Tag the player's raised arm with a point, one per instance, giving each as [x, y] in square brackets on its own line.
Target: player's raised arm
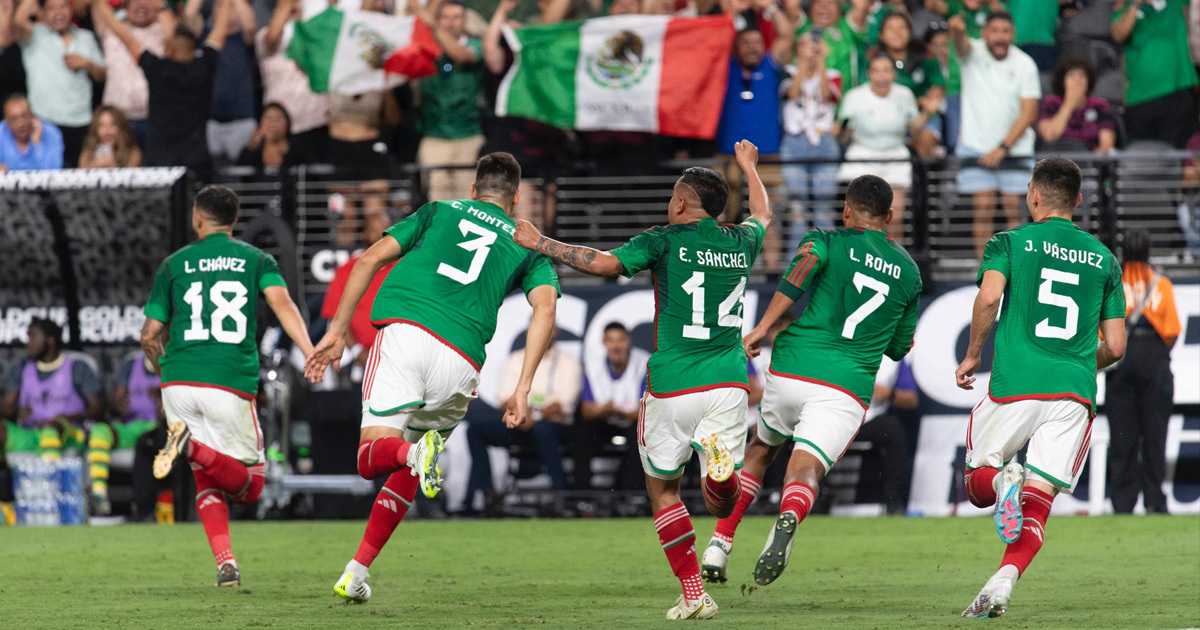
[289, 317]
[983, 317]
[329, 350]
[544, 300]
[760, 205]
[577, 257]
[1112, 347]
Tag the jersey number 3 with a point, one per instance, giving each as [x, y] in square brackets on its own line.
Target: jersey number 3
[480, 246]
[226, 308]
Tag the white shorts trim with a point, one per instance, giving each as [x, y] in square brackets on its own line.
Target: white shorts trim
[1058, 433]
[217, 418]
[670, 428]
[821, 420]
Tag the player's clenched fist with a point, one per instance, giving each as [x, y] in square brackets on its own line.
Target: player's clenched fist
[752, 343]
[526, 235]
[746, 153]
[328, 352]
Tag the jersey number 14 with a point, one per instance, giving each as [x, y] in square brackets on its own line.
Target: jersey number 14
[726, 317]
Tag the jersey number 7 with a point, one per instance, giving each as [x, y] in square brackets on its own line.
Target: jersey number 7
[870, 306]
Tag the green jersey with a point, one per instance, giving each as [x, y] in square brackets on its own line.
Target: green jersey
[207, 292]
[700, 274]
[458, 264]
[1157, 59]
[847, 50]
[1062, 283]
[863, 305]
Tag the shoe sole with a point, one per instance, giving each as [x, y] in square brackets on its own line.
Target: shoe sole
[431, 473]
[986, 608]
[164, 461]
[774, 559]
[339, 589]
[1009, 518]
[713, 573]
[718, 462]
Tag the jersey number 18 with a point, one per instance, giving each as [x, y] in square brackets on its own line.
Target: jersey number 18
[226, 308]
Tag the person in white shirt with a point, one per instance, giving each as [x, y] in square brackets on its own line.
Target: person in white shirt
[613, 383]
[879, 115]
[1000, 93]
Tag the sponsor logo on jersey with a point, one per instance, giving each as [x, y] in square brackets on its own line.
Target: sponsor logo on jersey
[220, 263]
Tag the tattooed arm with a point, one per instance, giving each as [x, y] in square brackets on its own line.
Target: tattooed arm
[153, 342]
[579, 258]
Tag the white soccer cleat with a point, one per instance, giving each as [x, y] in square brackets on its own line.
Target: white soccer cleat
[992, 601]
[718, 461]
[423, 460]
[353, 587]
[715, 563]
[705, 608]
[1008, 502]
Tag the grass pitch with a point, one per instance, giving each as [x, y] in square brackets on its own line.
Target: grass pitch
[1111, 572]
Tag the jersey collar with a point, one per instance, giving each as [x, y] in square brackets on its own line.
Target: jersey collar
[1056, 220]
[217, 235]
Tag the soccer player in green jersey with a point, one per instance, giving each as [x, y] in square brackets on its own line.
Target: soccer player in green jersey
[1059, 286]
[863, 305]
[436, 310]
[204, 308]
[696, 385]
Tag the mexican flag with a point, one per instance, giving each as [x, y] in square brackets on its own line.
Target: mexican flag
[354, 52]
[655, 74]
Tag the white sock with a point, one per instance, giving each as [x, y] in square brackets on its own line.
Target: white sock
[1009, 571]
[359, 570]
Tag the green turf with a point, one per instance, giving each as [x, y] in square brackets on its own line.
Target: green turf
[1113, 572]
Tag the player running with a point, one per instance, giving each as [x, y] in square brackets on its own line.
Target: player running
[863, 305]
[436, 310]
[1058, 284]
[207, 294]
[696, 384]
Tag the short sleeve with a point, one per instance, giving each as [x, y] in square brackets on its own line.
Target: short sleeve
[641, 252]
[121, 378]
[1031, 81]
[1048, 108]
[90, 47]
[996, 257]
[408, 231]
[541, 273]
[586, 395]
[150, 64]
[268, 273]
[933, 74]
[476, 46]
[158, 305]
[754, 233]
[85, 380]
[909, 104]
[806, 265]
[1114, 293]
[847, 110]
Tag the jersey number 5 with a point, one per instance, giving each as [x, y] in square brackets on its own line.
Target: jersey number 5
[870, 306]
[481, 246]
[226, 308]
[1047, 296]
[695, 288]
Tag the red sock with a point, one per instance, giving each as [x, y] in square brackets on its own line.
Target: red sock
[722, 494]
[798, 498]
[226, 473]
[678, 541]
[250, 493]
[214, 514]
[382, 456]
[1035, 509]
[727, 526]
[390, 507]
[980, 491]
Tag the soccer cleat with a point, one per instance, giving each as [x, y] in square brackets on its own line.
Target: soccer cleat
[423, 459]
[992, 601]
[353, 588]
[714, 565]
[101, 506]
[705, 608]
[178, 435]
[1008, 502]
[229, 575]
[719, 463]
[778, 551]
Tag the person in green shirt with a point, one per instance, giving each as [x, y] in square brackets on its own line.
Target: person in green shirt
[450, 105]
[846, 36]
[914, 72]
[940, 60]
[1158, 97]
[1036, 22]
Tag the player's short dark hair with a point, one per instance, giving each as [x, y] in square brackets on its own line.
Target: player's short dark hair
[219, 203]
[1058, 179]
[47, 327]
[450, 3]
[1135, 247]
[710, 186]
[746, 31]
[871, 195]
[12, 98]
[497, 174]
[1000, 15]
[616, 326]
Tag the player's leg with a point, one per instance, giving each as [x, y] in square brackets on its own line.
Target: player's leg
[993, 477]
[213, 510]
[759, 455]
[721, 439]
[101, 440]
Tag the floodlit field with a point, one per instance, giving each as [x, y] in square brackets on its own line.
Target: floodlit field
[1112, 572]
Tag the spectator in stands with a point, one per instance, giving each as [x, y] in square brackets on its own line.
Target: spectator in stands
[28, 143]
[285, 83]
[110, 142]
[12, 70]
[1159, 104]
[181, 83]
[1194, 32]
[1141, 388]
[552, 400]
[811, 97]
[1001, 89]
[942, 60]
[895, 389]
[61, 61]
[231, 121]
[126, 88]
[1071, 119]
[926, 82]
[136, 413]
[270, 144]
[613, 383]
[450, 105]
[136, 402]
[877, 116]
[846, 36]
[1036, 22]
[974, 13]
